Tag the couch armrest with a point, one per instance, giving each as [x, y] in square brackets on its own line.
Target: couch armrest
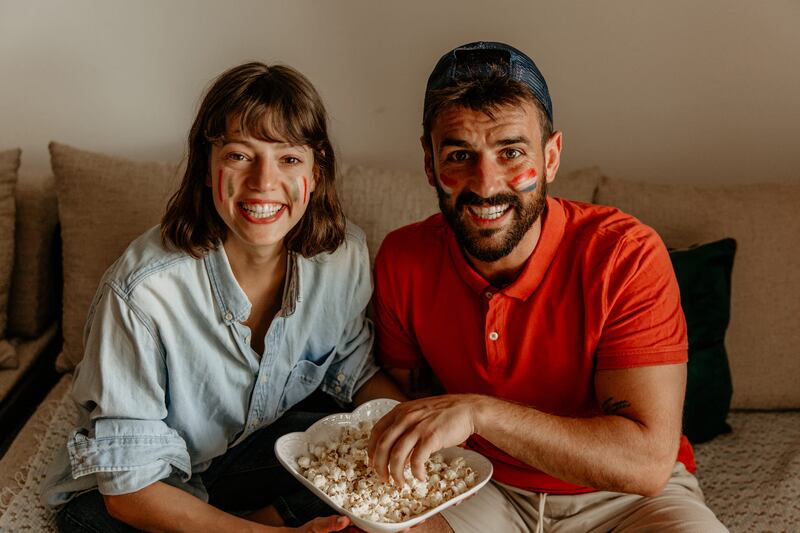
[35, 297]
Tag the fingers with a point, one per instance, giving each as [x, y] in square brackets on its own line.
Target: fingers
[383, 443]
[422, 451]
[326, 524]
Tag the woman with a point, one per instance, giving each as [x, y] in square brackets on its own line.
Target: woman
[248, 297]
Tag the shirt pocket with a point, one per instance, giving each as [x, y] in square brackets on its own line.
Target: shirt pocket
[304, 379]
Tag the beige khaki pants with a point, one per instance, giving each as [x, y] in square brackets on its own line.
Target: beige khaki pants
[502, 508]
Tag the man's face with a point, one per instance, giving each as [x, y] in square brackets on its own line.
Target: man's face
[491, 175]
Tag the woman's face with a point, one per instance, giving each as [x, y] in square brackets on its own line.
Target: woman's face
[261, 189]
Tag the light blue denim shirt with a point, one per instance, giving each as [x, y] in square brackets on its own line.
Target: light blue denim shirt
[169, 380]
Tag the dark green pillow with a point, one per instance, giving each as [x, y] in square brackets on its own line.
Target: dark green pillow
[704, 277]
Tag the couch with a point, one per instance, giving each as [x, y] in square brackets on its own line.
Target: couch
[95, 204]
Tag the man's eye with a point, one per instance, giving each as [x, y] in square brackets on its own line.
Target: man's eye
[458, 155]
[513, 153]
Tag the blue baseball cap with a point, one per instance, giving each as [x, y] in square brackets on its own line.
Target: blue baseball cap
[483, 59]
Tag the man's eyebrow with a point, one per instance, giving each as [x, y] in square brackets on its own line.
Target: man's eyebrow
[450, 141]
[513, 140]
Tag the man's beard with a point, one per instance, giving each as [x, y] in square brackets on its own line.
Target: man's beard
[470, 239]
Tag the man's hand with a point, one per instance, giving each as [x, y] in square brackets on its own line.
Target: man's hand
[413, 430]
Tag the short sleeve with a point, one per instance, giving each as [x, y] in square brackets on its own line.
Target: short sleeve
[353, 363]
[396, 346]
[120, 387]
[644, 322]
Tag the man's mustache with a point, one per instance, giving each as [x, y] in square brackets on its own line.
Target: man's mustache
[470, 198]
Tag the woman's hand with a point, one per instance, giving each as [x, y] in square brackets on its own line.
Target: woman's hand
[324, 524]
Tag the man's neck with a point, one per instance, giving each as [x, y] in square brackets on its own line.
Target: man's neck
[505, 270]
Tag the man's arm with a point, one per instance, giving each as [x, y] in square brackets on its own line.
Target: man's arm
[162, 507]
[630, 448]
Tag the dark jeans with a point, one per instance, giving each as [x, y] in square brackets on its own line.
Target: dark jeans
[246, 478]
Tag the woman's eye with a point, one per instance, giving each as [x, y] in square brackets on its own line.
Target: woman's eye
[291, 160]
[236, 156]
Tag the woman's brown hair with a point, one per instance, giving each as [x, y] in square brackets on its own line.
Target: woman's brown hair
[270, 103]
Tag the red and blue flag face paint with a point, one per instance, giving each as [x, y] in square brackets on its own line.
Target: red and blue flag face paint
[305, 188]
[219, 186]
[446, 183]
[525, 182]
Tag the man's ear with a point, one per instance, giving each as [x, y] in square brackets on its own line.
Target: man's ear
[428, 151]
[552, 155]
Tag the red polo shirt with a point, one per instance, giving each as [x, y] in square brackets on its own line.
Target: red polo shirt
[597, 293]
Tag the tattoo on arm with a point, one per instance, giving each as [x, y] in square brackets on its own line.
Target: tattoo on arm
[610, 407]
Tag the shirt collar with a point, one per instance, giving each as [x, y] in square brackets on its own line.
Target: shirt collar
[231, 299]
[553, 224]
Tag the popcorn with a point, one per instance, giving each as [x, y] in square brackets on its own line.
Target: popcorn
[341, 470]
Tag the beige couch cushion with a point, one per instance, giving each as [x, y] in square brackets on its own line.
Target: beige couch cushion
[380, 200]
[104, 203]
[9, 164]
[36, 284]
[763, 338]
[579, 185]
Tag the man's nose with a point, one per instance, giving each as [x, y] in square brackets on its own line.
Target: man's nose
[489, 178]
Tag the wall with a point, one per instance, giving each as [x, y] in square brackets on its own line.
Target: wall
[680, 91]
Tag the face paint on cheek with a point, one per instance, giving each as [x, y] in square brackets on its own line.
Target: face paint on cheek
[219, 185]
[525, 182]
[295, 190]
[230, 189]
[305, 189]
[446, 183]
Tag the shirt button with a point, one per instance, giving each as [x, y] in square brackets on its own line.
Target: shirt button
[337, 388]
[247, 339]
[488, 295]
[228, 316]
[340, 377]
[493, 336]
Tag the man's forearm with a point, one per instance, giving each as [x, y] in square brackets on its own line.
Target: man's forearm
[164, 508]
[608, 452]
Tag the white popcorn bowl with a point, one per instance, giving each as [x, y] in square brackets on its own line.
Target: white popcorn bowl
[292, 445]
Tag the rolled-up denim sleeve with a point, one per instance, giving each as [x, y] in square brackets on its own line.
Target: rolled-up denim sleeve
[354, 364]
[121, 388]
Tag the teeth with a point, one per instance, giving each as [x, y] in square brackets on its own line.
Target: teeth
[488, 213]
[261, 210]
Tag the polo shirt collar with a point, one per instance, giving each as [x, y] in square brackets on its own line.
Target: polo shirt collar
[553, 224]
[234, 306]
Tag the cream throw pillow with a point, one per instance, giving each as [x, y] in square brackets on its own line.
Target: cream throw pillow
[764, 332]
[104, 203]
[36, 284]
[9, 164]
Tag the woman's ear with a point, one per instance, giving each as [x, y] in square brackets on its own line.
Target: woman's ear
[314, 177]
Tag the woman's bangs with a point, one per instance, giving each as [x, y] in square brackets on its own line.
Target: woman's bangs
[273, 122]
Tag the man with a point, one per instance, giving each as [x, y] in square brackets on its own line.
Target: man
[554, 327]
